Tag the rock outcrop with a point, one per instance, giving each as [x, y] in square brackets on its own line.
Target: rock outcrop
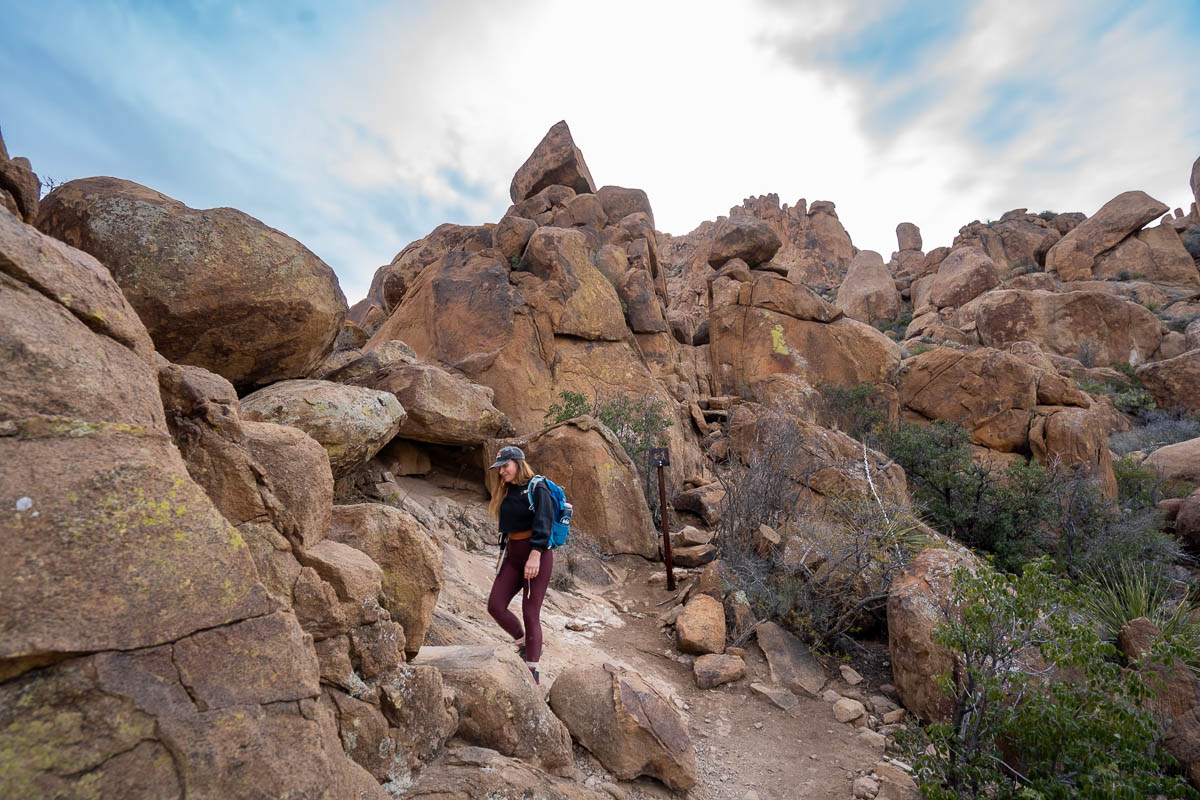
[868, 292]
[627, 725]
[216, 288]
[1074, 256]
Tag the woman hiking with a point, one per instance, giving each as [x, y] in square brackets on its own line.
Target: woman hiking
[526, 558]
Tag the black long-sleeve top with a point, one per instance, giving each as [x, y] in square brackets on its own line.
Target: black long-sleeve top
[515, 514]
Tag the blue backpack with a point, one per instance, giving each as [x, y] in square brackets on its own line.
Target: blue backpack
[562, 510]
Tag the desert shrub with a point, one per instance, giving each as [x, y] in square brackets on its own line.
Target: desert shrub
[1179, 324]
[1191, 241]
[1133, 591]
[1156, 428]
[898, 325]
[1048, 215]
[1001, 514]
[1134, 400]
[856, 411]
[832, 578]
[1019, 730]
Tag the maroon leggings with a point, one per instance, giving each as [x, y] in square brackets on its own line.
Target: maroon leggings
[510, 581]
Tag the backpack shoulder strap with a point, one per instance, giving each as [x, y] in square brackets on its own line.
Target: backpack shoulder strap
[533, 482]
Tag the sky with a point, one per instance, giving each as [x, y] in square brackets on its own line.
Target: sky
[358, 126]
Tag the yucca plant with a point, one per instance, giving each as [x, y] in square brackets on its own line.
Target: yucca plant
[1132, 592]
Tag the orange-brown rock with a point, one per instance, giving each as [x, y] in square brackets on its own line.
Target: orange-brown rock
[439, 406]
[255, 306]
[1196, 181]
[1176, 462]
[62, 315]
[748, 343]
[700, 627]
[1187, 521]
[744, 237]
[816, 248]
[908, 236]
[499, 705]
[1016, 239]
[918, 603]
[410, 559]
[964, 275]
[712, 670]
[1074, 256]
[1099, 326]
[989, 392]
[584, 457]
[465, 772]
[1153, 254]
[868, 292]
[555, 161]
[1073, 437]
[419, 707]
[626, 724]
[791, 663]
[1175, 382]
[582, 302]
[511, 235]
[392, 281]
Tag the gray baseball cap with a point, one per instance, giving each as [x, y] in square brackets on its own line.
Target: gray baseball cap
[506, 454]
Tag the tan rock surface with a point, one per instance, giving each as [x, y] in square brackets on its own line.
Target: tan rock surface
[712, 670]
[964, 275]
[1017, 239]
[1106, 328]
[1175, 382]
[916, 606]
[499, 705]
[600, 481]
[352, 423]
[626, 724]
[258, 307]
[700, 628]
[1074, 256]
[744, 237]
[1153, 254]
[868, 292]
[468, 773]
[1176, 462]
[791, 663]
[410, 560]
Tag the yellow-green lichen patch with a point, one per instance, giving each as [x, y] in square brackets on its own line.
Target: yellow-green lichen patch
[779, 341]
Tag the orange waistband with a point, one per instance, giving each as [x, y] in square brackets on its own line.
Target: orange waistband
[514, 537]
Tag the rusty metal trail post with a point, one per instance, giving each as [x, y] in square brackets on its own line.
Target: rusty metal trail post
[660, 457]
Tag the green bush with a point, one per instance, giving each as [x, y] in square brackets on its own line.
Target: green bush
[1071, 726]
[999, 514]
[855, 411]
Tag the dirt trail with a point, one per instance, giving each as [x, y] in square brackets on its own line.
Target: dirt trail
[746, 747]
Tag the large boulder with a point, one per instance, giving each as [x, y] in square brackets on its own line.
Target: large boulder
[619, 202]
[991, 393]
[965, 274]
[625, 724]
[392, 281]
[868, 292]
[216, 288]
[352, 423]
[1074, 437]
[1155, 254]
[585, 458]
[791, 664]
[1174, 382]
[908, 236]
[1075, 254]
[1017, 239]
[409, 557]
[573, 293]
[815, 247]
[1195, 182]
[747, 238]
[440, 407]
[469, 773]
[1089, 326]
[136, 644]
[499, 705]
[918, 603]
[1176, 462]
[420, 711]
[556, 161]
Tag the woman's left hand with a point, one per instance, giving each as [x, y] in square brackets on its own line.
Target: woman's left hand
[532, 565]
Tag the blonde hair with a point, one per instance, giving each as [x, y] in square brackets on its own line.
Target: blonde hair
[500, 490]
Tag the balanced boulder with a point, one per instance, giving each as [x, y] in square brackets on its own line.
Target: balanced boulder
[1075, 254]
[216, 288]
[555, 161]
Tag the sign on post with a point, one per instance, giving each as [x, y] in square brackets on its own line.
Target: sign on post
[661, 457]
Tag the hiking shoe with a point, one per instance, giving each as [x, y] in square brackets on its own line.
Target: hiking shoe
[536, 677]
[521, 652]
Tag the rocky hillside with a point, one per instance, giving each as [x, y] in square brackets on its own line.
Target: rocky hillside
[245, 549]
